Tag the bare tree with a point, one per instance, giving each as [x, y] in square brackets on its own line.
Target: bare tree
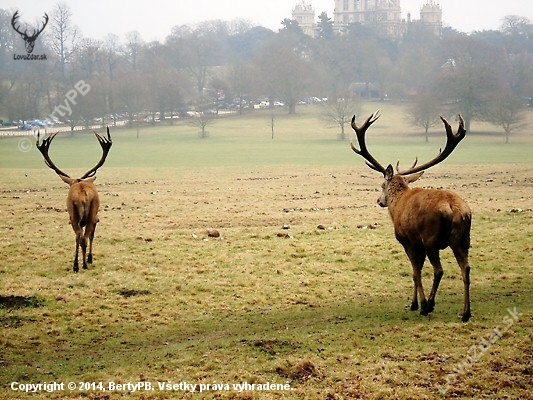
[203, 117]
[424, 112]
[111, 49]
[505, 110]
[286, 71]
[63, 36]
[338, 113]
[167, 87]
[469, 77]
[131, 94]
[133, 48]
[217, 89]
[242, 80]
[8, 36]
[89, 58]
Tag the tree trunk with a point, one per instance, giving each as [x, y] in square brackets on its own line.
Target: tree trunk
[292, 108]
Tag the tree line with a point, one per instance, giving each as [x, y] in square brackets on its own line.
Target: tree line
[216, 65]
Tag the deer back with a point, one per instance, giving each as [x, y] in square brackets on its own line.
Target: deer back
[428, 218]
[83, 202]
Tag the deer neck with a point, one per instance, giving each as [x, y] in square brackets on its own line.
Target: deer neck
[396, 189]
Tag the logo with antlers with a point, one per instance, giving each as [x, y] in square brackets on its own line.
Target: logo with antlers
[29, 40]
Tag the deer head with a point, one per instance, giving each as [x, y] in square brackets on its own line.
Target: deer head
[403, 177]
[29, 40]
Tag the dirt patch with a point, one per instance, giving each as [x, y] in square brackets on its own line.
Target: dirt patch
[272, 347]
[16, 302]
[133, 292]
[298, 371]
[14, 321]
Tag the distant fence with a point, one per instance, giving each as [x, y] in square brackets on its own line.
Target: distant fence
[44, 130]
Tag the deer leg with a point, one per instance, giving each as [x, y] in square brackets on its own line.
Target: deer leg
[462, 259]
[417, 261]
[423, 302]
[434, 259]
[91, 237]
[79, 238]
[414, 303]
[83, 244]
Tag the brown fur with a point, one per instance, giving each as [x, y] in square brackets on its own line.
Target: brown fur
[426, 221]
[82, 206]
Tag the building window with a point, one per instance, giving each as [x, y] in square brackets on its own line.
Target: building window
[346, 5]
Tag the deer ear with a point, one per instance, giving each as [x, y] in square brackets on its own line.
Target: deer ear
[69, 181]
[389, 173]
[413, 177]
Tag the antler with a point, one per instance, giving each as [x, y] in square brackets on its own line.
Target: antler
[105, 144]
[43, 148]
[452, 140]
[363, 151]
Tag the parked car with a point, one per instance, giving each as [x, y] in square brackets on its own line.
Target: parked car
[38, 123]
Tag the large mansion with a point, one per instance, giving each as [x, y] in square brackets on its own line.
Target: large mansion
[385, 15]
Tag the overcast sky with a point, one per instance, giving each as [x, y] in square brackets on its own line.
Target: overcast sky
[154, 19]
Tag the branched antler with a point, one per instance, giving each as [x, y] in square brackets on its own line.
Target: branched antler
[363, 151]
[105, 144]
[452, 140]
[44, 147]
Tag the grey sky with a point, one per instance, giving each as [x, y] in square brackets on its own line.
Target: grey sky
[154, 19]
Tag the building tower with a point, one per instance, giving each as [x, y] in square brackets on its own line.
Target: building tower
[431, 16]
[385, 15]
[304, 14]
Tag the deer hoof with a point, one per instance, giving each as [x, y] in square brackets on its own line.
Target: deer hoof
[414, 306]
[424, 309]
[466, 316]
[430, 306]
[90, 259]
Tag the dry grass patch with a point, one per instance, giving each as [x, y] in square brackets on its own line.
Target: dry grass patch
[323, 309]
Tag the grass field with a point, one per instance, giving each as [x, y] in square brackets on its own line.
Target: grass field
[317, 313]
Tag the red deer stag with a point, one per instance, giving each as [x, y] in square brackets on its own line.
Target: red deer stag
[82, 199]
[425, 220]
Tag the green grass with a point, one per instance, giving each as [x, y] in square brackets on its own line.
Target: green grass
[321, 310]
[301, 139]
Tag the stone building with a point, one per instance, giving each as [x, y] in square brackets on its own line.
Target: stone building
[431, 16]
[304, 14]
[385, 15]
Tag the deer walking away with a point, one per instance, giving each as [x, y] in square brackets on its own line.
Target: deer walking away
[82, 199]
[425, 220]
